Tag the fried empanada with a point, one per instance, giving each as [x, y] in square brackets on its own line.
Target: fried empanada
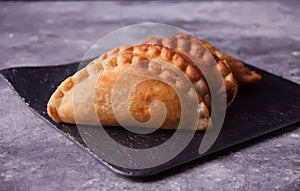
[187, 44]
[96, 97]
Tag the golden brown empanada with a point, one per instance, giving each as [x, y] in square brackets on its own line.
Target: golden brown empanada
[61, 104]
[187, 44]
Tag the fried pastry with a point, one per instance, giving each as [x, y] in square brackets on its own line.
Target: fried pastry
[189, 45]
[61, 104]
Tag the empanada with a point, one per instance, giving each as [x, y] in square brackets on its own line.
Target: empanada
[187, 44]
[93, 91]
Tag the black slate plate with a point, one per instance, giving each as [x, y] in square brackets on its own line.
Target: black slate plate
[259, 108]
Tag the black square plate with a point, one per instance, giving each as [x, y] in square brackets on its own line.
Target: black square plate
[259, 108]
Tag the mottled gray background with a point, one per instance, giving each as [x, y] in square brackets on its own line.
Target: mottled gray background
[34, 156]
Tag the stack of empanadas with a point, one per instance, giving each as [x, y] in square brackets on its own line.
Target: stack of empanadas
[94, 83]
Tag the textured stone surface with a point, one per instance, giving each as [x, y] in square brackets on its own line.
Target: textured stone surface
[34, 156]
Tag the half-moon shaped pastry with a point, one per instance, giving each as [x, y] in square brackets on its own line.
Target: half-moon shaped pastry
[86, 97]
[95, 90]
[189, 45]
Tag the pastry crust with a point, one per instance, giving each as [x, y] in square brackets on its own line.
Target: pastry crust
[61, 106]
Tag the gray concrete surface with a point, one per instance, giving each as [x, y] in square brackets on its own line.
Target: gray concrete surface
[34, 156]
